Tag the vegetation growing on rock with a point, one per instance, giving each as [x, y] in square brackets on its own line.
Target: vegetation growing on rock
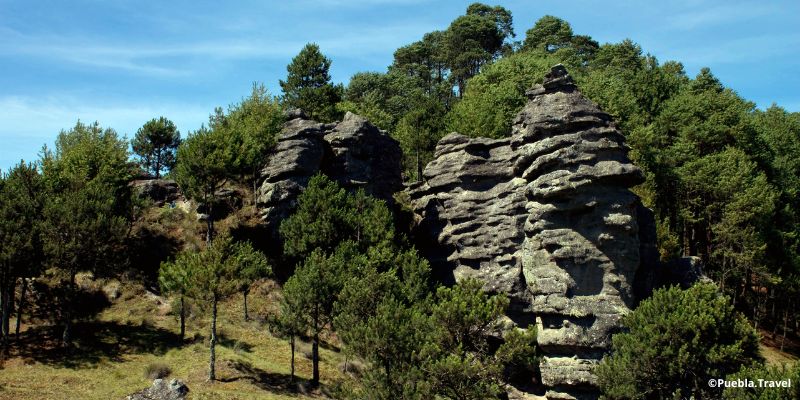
[468, 303]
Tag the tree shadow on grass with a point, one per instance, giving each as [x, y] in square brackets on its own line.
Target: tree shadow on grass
[236, 345]
[94, 342]
[270, 381]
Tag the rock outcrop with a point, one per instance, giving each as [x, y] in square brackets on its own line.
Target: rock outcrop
[547, 217]
[160, 191]
[162, 390]
[352, 152]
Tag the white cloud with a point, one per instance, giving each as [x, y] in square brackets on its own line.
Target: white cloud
[40, 119]
[727, 14]
[161, 59]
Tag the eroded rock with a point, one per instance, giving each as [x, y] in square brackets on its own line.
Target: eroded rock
[352, 152]
[547, 217]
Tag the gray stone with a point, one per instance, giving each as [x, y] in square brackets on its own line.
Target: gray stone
[547, 217]
[160, 191]
[162, 390]
[683, 271]
[352, 152]
[293, 113]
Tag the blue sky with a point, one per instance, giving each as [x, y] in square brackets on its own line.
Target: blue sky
[123, 62]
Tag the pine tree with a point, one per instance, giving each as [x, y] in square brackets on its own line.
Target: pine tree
[21, 198]
[675, 342]
[204, 161]
[86, 215]
[251, 128]
[311, 293]
[156, 143]
[210, 276]
[251, 266]
[173, 277]
[308, 85]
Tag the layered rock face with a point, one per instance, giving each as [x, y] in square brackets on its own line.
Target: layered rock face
[352, 152]
[547, 217]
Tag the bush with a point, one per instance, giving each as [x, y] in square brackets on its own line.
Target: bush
[677, 341]
[774, 373]
[157, 371]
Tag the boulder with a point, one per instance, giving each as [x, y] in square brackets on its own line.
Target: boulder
[547, 217]
[353, 152]
[160, 191]
[162, 390]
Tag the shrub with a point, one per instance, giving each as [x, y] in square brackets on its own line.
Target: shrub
[676, 341]
[157, 371]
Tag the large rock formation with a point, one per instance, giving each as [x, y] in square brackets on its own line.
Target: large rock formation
[352, 152]
[547, 217]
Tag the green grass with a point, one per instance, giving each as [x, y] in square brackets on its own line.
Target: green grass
[773, 356]
[113, 352]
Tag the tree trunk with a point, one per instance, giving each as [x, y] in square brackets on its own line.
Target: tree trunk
[20, 305]
[255, 189]
[183, 319]
[66, 337]
[419, 166]
[9, 284]
[209, 225]
[785, 323]
[6, 299]
[315, 360]
[211, 372]
[244, 294]
[291, 341]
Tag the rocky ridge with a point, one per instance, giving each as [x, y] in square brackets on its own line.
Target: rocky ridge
[547, 217]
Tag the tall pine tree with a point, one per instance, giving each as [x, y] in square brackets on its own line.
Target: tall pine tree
[308, 85]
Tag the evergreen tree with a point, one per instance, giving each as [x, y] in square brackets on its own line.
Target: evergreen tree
[308, 85]
[21, 198]
[675, 342]
[418, 132]
[251, 128]
[173, 277]
[327, 216]
[311, 293]
[497, 94]
[549, 34]
[204, 161]
[782, 372]
[318, 221]
[156, 143]
[210, 276]
[252, 266]
[470, 42]
[86, 215]
[290, 323]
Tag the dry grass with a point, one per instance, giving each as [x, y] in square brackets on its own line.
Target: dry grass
[771, 349]
[135, 333]
[773, 356]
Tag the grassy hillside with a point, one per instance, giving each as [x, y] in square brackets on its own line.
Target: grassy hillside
[137, 332]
